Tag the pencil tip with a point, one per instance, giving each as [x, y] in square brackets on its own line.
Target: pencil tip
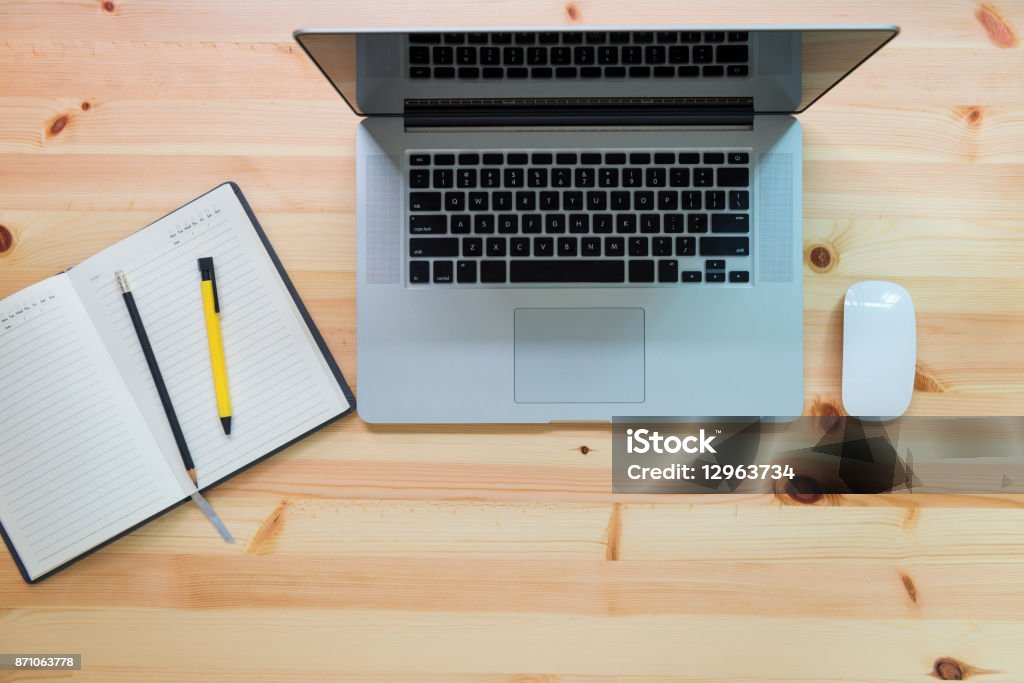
[226, 422]
[193, 477]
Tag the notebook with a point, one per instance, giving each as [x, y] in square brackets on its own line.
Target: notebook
[87, 454]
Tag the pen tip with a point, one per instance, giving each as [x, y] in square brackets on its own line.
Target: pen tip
[226, 422]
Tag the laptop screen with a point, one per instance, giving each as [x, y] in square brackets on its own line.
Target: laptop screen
[766, 71]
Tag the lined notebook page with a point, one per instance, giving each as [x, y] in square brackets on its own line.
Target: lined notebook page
[78, 464]
[281, 385]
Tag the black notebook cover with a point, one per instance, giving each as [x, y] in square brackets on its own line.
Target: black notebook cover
[321, 344]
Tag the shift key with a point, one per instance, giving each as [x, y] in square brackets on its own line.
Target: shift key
[424, 201]
[723, 246]
[436, 246]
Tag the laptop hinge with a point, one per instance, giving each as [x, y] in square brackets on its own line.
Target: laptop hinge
[709, 112]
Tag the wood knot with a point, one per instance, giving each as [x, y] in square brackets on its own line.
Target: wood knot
[971, 115]
[908, 585]
[924, 381]
[998, 28]
[6, 238]
[108, 7]
[827, 410]
[804, 490]
[58, 124]
[821, 258]
[86, 106]
[948, 669]
[584, 449]
[572, 12]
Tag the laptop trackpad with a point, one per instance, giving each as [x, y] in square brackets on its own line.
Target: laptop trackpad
[579, 355]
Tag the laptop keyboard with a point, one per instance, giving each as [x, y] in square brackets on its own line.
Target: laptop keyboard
[550, 217]
[571, 55]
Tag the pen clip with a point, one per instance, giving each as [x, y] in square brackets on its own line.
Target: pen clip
[206, 272]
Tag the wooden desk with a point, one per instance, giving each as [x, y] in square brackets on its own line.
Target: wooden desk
[497, 553]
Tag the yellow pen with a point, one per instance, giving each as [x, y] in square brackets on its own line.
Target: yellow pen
[211, 309]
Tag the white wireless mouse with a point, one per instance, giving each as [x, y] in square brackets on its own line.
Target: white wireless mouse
[879, 349]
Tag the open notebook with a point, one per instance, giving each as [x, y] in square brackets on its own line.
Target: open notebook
[86, 452]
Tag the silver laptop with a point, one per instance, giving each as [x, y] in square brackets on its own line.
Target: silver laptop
[558, 225]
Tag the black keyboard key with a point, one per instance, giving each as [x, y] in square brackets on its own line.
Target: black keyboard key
[618, 37]
[608, 55]
[731, 54]
[730, 222]
[650, 223]
[641, 271]
[625, 223]
[632, 54]
[501, 201]
[664, 158]
[643, 36]
[597, 201]
[443, 55]
[655, 177]
[493, 159]
[455, 38]
[590, 246]
[688, 71]
[724, 246]
[739, 276]
[733, 177]
[517, 72]
[444, 159]
[689, 158]
[514, 177]
[713, 71]
[444, 177]
[479, 201]
[466, 177]
[567, 246]
[655, 54]
[714, 200]
[585, 55]
[715, 277]
[433, 246]
[493, 271]
[419, 159]
[615, 72]
[714, 264]
[572, 201]
[460, 224]
[443, 272]
[602, 223]
[541, 72]
[668, 270]
[679, 54]
[477, 38]
[543, 246]
[584, 177]
[703, 177]
[714, 36]
[501, 38]
[469, 159]
[419, 178]
[572, 37]
[639, 71]
[490, 56]
[541, 158]
[686, 246]
[431, 224]
[674, 222]
[737, 36]
[490, 177]
[425, 38]
[736, 70]
[661, 246]
[614, 246]
[565, 72]
[518, 159]
[697, 222]
[496, 246]
[567, 270]
[608, 177]
[614, 158]
[465, 56]
[579, 223]
[525, 38]
[538, 177]
[739, 200]
[424, 201]
[590, 158]
[561, 56]
[666, 36]
[692, 276]
[465, 272]
[596, 36]
[638, 246]
[419, 54]
[483, 224]
[532, 224]
[561, 177]
[419, 272]
[548, 37]
[550, 201]
[702, 54]
[690, 200]
[664, 72]
[690, 36]
[519, 246]
[493, 72]
[668, 200]
[714, 158]
[526, 201]
[621, 201]
[738, 158]
[472, 247]
[537, 56]
[566, 158]
[508, 224]
[679, 177]
[554, 223]
[454, 201]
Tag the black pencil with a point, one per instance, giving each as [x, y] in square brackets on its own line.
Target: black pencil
[158, 378]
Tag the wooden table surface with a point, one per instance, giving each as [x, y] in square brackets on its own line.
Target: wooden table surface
[498, 553]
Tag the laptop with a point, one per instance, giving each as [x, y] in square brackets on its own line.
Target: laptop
[573, 225]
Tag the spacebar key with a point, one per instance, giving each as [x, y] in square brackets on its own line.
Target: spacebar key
[569, 270]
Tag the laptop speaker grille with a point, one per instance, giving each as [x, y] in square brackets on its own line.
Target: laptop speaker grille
[775, 217]
[383, 222]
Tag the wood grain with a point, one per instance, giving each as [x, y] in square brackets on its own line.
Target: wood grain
[497, 553]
